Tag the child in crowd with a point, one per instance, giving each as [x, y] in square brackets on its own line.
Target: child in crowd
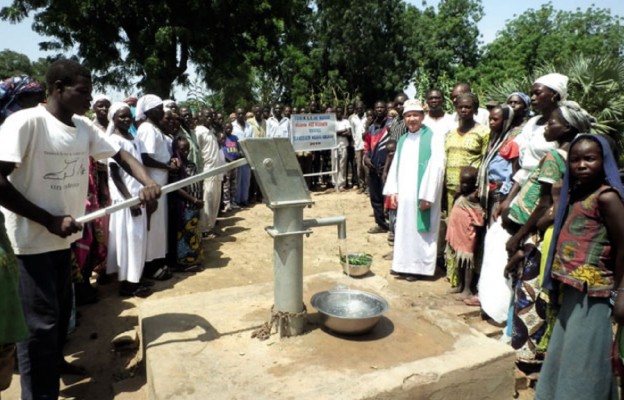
[465, 218]
[188, 202]
[585, 266]
[127, 240]
[232, 152]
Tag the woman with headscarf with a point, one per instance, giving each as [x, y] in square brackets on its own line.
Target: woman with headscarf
[18, 93]
[15, 94]
[546, 93]
[101, 105]
[495, 181]
[128, 240]
[496, 169]
[158, 147]
[529, 146]
[89, 253]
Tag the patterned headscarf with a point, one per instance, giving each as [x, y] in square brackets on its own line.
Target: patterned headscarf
[495, 145]
[525, 99]
[612, 178]
[576, 116]
[11, 89]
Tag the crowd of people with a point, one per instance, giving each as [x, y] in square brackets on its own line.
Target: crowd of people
[520, 205]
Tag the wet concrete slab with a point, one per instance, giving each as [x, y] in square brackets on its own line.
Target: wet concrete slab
[199, 346]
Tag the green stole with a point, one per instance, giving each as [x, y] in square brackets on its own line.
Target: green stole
[423, 218]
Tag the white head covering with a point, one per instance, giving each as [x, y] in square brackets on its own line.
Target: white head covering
[412, 105]
[557, 82]
[168, 103]
[119, 105]
[100, 97]
[146, 103]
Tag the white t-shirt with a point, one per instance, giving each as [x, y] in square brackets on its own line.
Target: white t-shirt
[278, 129]
[242, 132]
[440, 126]
[209, 146]
[358, 127]
[341, 126]
[52, 171]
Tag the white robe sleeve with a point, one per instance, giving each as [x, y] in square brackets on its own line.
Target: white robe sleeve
[433, 179]
[212, 152]
[392, 184]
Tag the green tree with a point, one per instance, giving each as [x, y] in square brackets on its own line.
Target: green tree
[452, 39]
[596, 83]
[13, 63]
[284, 72]
[155, 40]
[361, 49]
[551, 36]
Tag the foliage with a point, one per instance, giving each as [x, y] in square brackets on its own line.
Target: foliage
[13, 63]
[333, 51]
[451, 37]
[596, 83]
[360, 53]
[155, 40]
[551, 36]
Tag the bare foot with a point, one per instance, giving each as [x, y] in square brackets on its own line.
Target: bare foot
[463, 295]
[454, 290]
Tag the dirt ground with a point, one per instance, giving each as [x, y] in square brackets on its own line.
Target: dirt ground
[241, 255]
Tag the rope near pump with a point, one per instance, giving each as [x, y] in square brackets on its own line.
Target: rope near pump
[279, 320]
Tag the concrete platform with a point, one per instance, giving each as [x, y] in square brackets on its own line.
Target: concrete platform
[199, 346]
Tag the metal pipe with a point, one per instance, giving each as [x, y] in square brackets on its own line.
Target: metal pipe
[288, 267]
[163, 190]
[340, 222]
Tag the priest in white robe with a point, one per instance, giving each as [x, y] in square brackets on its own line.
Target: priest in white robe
[414, 184]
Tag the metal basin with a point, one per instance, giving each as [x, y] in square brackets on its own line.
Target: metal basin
[350, 312]
[356, 270]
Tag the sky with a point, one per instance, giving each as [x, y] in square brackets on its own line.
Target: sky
[21, 38]
[497, 12]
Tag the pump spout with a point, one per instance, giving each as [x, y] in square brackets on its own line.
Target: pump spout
[340, 222]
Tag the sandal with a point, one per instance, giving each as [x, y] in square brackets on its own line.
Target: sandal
[187, 268]
[377, 229]
[162, 274]
[472, 301]
[134, 290]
